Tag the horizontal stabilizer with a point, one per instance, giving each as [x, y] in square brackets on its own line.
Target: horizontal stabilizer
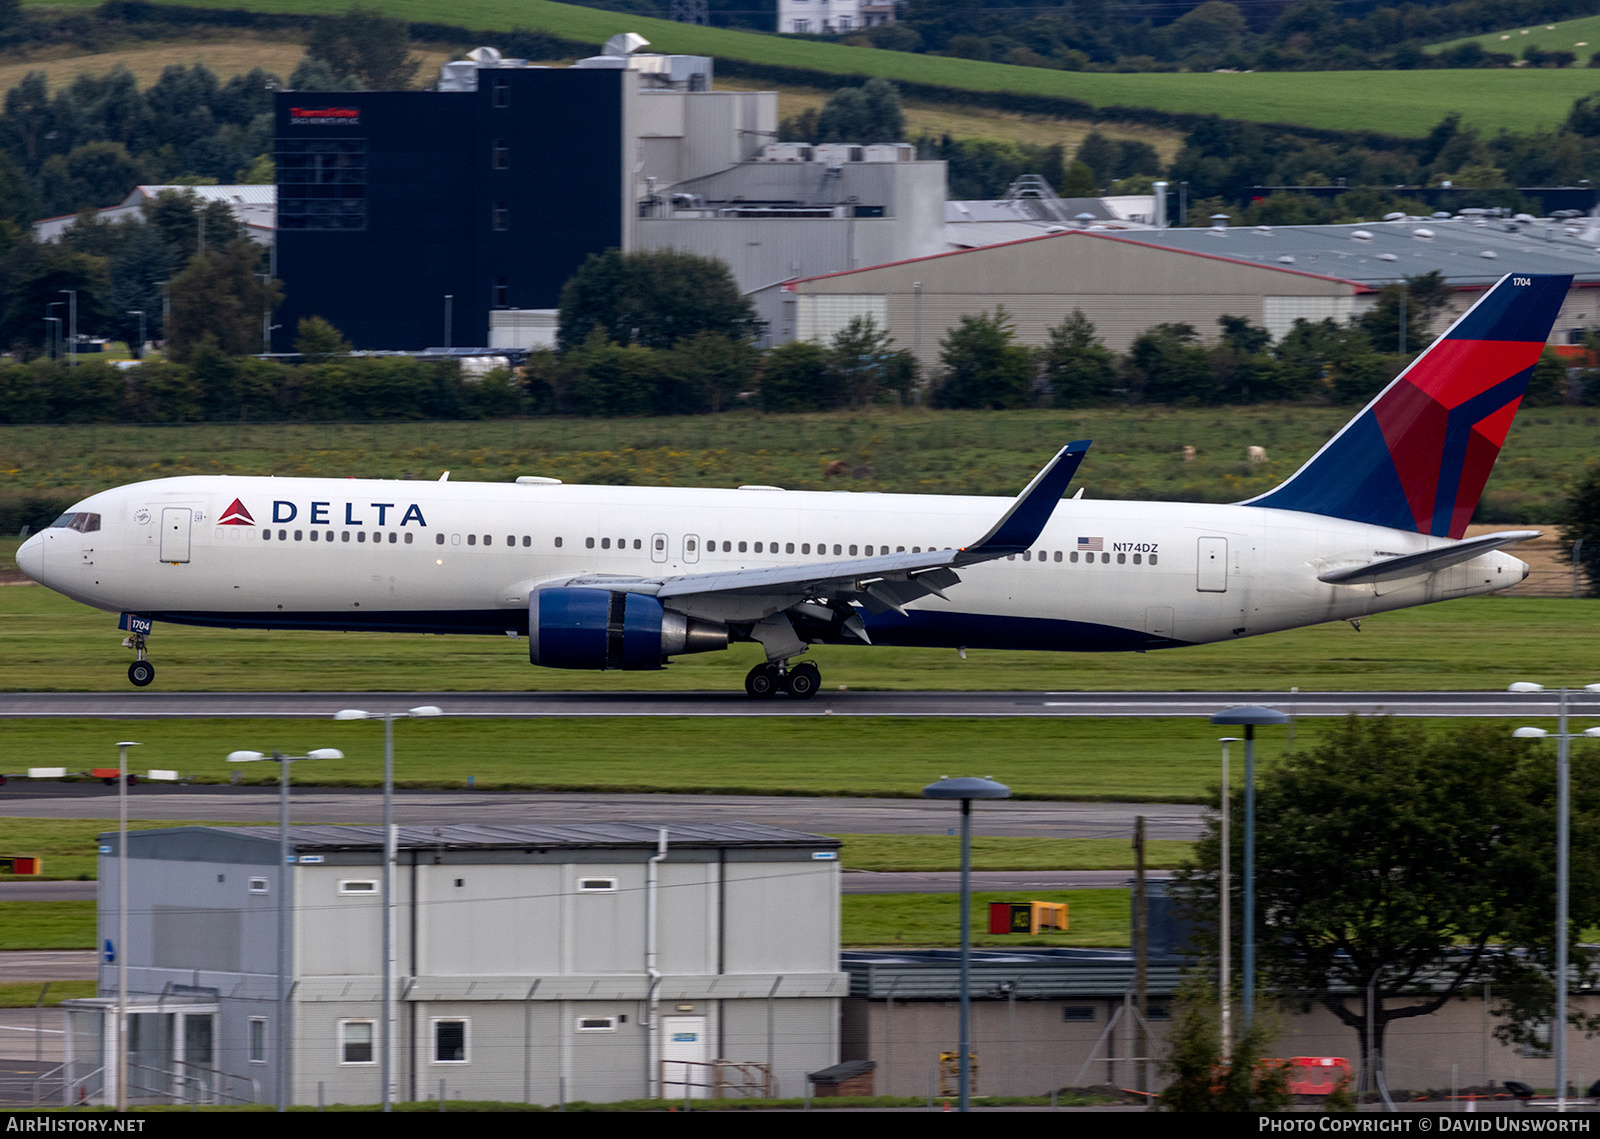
[1428, 561]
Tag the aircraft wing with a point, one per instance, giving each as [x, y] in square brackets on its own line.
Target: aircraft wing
[887, 581]
[1428, 561]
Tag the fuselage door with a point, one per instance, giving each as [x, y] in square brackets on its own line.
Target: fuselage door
[658, 547]
[175, 524]
[1212, 576]
[691, 548]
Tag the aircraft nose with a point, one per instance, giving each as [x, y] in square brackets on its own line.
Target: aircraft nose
[30, 557]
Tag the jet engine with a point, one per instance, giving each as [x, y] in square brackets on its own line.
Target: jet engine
[604, 628]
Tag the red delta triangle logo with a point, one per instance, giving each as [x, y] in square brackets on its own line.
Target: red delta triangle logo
[236, 515]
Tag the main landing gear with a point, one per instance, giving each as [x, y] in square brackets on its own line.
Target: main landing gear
[801, 682]
[141, 672]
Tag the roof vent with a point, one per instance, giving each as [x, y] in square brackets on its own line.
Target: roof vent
[624, 43]
[1422, 234]
[1396, 216]
[1387, 257]
[1264, 230]
[1286, 259]
[1489, 253]
[1361, 235]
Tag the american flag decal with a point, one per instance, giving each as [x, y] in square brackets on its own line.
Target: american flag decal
[1094, 545]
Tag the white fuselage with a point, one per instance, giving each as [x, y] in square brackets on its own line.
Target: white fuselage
[463, 557]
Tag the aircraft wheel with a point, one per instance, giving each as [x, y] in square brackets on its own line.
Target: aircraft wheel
[762, 682]
[804, 680]
[141, 673]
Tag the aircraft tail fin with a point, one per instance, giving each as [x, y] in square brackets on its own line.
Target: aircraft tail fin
[1417, 457]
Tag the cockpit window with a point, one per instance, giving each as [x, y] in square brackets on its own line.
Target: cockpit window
[82, 522]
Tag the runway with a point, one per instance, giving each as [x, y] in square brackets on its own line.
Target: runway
[528, 705]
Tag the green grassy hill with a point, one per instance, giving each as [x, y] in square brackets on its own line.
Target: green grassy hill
[1581, 37]
[1393, 102]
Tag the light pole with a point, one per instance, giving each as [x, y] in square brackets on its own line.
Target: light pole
[72, 335]
[280, 1048]
[52, 334]
[966, 788]
[1227, 907]
[1249, 716]
[387, 1043]
[1558, 1030]
[122, 923]
[139, 312]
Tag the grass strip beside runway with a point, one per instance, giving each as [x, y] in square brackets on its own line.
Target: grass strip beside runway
[1164, 760]
[1096, 919]
[68, 849]
[56, 645]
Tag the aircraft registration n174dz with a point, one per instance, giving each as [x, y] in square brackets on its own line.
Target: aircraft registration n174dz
[604, 577]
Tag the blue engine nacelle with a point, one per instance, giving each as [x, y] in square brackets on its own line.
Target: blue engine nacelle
[604, 628]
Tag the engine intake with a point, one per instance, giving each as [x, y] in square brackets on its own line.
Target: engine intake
[603, 628]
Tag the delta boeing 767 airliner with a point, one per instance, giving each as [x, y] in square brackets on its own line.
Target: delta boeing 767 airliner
[604, 577]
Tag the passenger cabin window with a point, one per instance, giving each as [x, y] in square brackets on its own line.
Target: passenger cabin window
[438, 540]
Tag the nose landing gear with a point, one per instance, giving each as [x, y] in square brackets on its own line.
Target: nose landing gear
[141, 672]
[801, 682]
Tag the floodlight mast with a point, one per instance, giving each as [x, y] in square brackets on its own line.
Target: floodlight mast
[1558, 1029]
[387, 1042]
[122, 923]
[281, 1034]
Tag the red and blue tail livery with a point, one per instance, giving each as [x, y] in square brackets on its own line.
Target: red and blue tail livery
[1418, 456]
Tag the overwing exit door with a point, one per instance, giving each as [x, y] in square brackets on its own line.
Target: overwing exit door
[176, 522]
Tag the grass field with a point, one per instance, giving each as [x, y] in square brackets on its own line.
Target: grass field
[1097, 918]
[1136, 452]
[1580, 36]
[1394, 102]
[51, 925]
[1123, 759]
[25, 994]
[53, 644]
[68, 849]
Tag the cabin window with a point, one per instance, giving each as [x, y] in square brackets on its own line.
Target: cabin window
[488, 539]
[472, 539]
[689, 545]
[1152, 559]
[805, 547]
[527, 540]
[266, 535]
[511, 539]
[1137, 558]
[361, 535]
[661, 544]
[758, 547]
[605, 543]
[899, 549]
[638, 544]
[837, 549]
[455, 539]
[788, 547]
[299, 535]
[394, 537]
[409, 536]
[344, 535]
[1058, 555]
[558, 543]
[313, 535]
[868, 551]
[1027, 555]
[438, 539]
[1122, 559]
[741, 547]
[1072, 557]
[916, 549]
[588, 543]
[1105, 559]
[727, 547]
